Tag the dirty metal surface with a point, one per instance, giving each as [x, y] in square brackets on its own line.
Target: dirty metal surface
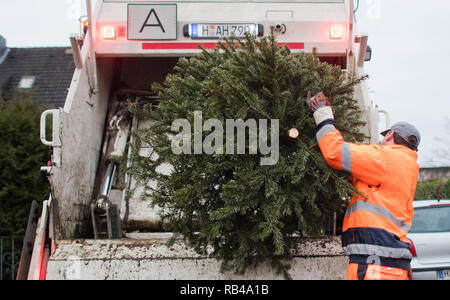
[154, 246]
[150, 258]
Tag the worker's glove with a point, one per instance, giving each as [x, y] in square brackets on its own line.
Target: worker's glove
[320, 100]
[320, 105]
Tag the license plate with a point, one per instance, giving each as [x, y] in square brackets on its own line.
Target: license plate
[444, 274]
[219, 31]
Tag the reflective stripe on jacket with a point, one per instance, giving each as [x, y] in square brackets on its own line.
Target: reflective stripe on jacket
[377, 223]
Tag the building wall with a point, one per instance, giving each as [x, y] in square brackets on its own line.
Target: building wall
[434, 173]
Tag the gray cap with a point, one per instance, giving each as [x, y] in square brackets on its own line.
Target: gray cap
[405, 130]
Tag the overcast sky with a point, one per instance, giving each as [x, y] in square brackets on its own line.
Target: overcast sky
[409, 72]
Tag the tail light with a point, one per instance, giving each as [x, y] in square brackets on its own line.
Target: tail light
[412, 249]
[336, 32]
[85, 26]
[109, 32]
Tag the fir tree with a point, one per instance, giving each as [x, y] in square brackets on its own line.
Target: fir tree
[21, 156]
[229, 206]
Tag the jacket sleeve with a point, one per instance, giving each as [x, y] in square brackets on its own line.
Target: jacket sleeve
[368, 163]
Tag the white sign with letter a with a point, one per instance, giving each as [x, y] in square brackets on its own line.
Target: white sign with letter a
[152, 21]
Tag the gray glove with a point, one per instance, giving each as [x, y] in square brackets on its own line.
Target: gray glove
[320, 105]
[320, 100]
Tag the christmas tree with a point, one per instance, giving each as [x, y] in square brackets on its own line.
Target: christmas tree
[232, 206]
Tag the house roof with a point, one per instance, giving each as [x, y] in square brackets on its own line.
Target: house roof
[52, 69]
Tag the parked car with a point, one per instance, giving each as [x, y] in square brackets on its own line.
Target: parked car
[430, 240]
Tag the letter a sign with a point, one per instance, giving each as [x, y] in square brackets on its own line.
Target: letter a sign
[152, 22]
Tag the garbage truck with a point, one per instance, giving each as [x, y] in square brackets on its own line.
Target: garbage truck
[92, 226]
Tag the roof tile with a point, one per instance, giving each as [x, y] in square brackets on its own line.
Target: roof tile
[53, 68]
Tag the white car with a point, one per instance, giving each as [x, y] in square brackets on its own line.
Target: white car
[430, 240]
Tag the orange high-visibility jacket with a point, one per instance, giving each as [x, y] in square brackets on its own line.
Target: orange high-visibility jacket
[376, 224]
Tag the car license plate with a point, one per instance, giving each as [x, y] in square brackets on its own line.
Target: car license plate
[444, 274]
[219, 31]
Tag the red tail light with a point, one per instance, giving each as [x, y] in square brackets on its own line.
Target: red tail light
[109, 32]
[336, 32]
[412, 249]
[85, 26]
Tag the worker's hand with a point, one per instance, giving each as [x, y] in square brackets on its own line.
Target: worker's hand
[320, 100]
[320, 105]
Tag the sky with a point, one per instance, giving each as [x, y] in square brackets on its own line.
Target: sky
[409, 71]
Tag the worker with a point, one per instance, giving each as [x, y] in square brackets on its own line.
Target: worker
[380, 215]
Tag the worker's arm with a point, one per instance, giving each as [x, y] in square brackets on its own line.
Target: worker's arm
[367, 163]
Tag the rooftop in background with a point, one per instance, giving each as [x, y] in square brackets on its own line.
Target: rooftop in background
[46, 72]
[434, 173]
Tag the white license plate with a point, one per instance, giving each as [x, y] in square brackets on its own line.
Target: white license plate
[443, 274]
[218, 31]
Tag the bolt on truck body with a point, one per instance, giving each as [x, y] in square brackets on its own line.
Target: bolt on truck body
[129, 45]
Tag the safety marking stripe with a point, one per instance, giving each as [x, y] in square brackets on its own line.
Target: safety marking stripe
[325, 129]
[366, 249]
[346, 158]
[194, 46]
[378, 210]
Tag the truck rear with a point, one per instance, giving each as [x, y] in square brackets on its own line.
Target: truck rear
[129, 45]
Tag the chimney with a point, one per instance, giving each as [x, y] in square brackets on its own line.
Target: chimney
[3, 49]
